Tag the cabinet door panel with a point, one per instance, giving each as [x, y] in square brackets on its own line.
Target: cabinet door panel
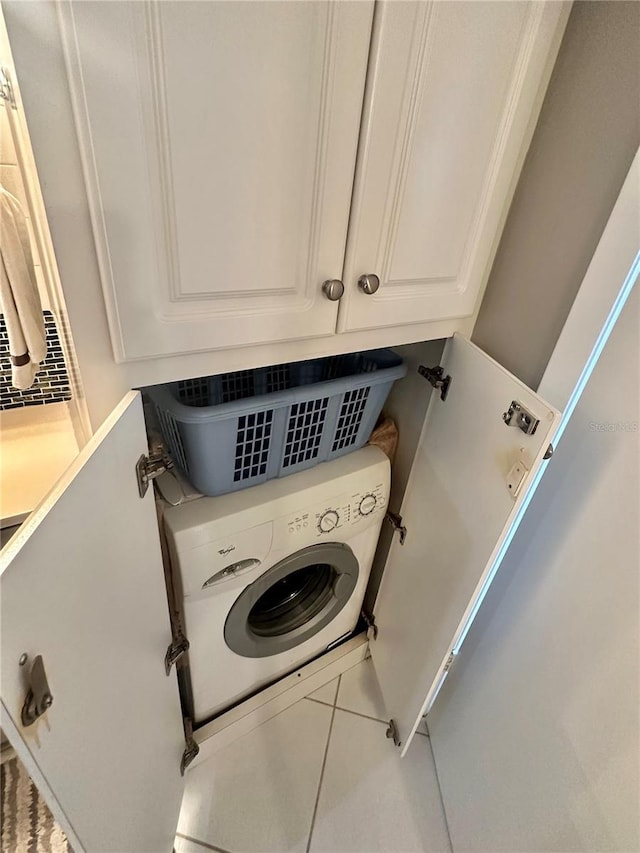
[452, 95]
[220, 143]
[460, 515]
[83, 586]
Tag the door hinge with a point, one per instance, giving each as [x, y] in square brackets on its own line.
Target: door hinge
[519, 416]
[435, 377]
[175, 651]
[6, 88]
[191, 747]
[370, 622]
[150, 467]
[392, 732]
[548, 452]
[449, 662]
[395, 521]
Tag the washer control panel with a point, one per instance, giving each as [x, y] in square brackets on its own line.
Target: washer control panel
[322, 521]
[350, 511]
[341, 516]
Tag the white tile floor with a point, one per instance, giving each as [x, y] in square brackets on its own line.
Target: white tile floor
[319, 777]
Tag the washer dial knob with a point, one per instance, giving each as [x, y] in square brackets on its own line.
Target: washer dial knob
[328, 521]
[367, 504]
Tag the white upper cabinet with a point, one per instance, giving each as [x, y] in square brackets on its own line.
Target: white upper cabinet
[453, 93]
[219, 143]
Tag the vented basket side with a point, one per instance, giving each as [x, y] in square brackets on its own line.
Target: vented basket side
[271, 422]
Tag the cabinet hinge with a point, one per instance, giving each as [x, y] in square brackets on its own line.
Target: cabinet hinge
[175, 651]
[395, 521]
[150, 467]
[370, 622]
[392, 732]
[6, 88]
[191, 747]
[435, 377]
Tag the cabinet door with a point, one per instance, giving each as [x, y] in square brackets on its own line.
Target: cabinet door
[452, 98]
[471, 481]
[83, 585]
[219, 142]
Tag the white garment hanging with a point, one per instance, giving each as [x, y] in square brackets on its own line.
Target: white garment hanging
[19, 296]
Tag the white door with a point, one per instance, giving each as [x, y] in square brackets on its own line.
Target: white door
[82, 585]
[471, 480]
[452, 98]
[219, 143]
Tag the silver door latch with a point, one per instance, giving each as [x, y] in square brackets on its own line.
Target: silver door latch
[39, 698]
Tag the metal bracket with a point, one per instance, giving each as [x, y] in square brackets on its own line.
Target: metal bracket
[435, 377]
[370, 622]
[39, 697]
[175, 651]
[191, 749]
[6, 88]
[395, 521]
[392, 732]
[150, 467]
[518, 474]
[519, 416]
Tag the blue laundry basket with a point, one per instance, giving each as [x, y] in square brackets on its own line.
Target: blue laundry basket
[235, 430]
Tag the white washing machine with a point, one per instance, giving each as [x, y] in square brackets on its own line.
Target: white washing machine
[271, 576]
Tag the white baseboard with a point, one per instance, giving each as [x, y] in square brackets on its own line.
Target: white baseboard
[278, 697]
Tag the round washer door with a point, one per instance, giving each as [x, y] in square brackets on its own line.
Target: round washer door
[292, 601]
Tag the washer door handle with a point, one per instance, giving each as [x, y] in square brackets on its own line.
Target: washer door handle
[231, 571]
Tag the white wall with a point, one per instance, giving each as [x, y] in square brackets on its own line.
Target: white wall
[584, 142]
[536, 731]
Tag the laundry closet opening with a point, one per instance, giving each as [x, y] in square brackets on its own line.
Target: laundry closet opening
[273, 487]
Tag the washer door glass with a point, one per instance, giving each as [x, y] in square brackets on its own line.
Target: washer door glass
[292, 601]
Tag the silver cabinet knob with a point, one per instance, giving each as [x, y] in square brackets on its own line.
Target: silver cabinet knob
[333, 289]
[369, 283]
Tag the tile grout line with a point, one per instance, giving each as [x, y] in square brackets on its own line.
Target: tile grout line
[203, 844]
[322, 769]
[320, 702]
[335, 696]
[364, 716]
[435, 770]
[357, 714]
